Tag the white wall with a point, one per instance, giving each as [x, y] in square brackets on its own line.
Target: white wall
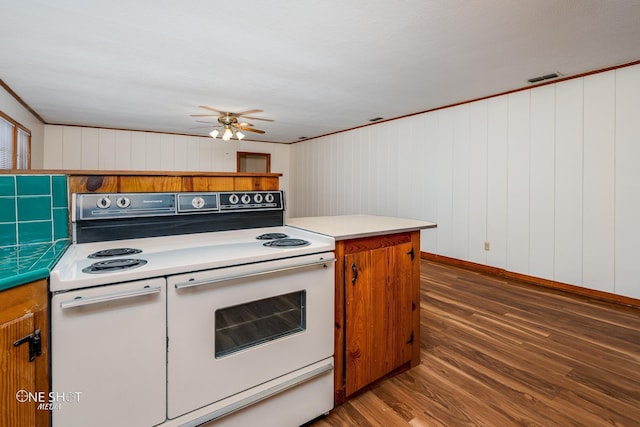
[549, 176]
[83, 148]
[17, 112]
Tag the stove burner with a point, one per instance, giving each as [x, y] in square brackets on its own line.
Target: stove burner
[114, 265]
[271, 236]
[286, 243]
[114, 252]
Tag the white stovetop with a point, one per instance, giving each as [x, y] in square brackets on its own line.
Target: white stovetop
[342, 227]
[180, 254]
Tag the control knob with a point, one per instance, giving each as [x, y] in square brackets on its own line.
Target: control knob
[233, 199]
[246, 199]
[103, 202]
[123, 202]
[269, 198]
[197, 202]
[258, 198]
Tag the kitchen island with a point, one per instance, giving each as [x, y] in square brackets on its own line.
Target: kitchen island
[377, 296]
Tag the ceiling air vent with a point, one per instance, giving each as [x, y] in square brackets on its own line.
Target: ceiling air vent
[545, 77]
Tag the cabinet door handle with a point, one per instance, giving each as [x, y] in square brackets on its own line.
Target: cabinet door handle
[35, 344]
[354, 276]
[411, 253]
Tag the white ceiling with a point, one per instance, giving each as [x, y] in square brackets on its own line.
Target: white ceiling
[314, 67]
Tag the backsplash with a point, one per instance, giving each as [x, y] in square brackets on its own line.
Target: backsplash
[33, 209]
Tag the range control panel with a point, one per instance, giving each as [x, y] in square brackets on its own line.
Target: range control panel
[94, 206]
[251, 200]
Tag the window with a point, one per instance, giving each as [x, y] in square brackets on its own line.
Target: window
[15, 144]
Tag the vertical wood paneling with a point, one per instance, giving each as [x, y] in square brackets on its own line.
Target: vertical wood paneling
[599, 182]
[477, 181]
[53, 147]
[429, 167]
[444, 169]
[518, 208]
[72, 147]
[107, 150]
[138, 151]
[123, 150]
[497, 125]
[569, 173]
[542, 185]
[180, 149]
[90, 148]
[167, 152]
[460, 184]
[627, 182]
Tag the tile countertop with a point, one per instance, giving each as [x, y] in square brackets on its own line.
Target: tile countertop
[22, 264]
[344, 227]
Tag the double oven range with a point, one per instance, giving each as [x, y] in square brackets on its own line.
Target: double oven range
[191, 309]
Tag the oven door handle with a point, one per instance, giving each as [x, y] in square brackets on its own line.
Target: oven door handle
[80, 301]
[200, 282]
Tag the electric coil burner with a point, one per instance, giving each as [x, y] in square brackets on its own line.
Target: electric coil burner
[108, 253]
[271, 236]
[114, 265]
[286, 243]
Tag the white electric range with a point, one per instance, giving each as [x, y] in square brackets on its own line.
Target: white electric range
[191, 309]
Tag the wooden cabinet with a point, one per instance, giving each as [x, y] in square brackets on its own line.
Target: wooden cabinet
[377, 309]
[24, 368]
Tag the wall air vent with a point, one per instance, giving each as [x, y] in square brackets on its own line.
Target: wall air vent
[545, 77]
[375, 119]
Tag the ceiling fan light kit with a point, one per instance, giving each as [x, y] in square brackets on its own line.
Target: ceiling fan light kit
[229, 123]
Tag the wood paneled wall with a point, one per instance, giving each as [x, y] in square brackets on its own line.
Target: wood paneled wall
[548, 176]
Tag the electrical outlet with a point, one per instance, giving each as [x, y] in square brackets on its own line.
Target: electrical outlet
[487, 246]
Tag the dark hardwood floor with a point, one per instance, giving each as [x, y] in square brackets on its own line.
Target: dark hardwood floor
[496, 352]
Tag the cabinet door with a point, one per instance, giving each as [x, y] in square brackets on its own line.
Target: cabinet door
[17, 374]
[378, 313]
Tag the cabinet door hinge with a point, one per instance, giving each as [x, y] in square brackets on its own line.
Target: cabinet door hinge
[35, 344]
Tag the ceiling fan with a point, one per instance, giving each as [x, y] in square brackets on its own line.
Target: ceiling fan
[229, 124]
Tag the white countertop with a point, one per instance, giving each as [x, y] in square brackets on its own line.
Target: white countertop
[343, 227]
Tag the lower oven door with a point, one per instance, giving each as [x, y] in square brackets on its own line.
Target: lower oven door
[234, 328]
[108, 352]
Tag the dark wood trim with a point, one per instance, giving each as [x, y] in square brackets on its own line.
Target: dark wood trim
[20, 100]
[578, 290]
[530, 86]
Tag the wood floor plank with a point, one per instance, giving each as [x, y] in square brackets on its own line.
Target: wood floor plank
[498, 352]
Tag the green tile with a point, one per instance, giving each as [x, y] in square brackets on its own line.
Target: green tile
[33, 185]
[34, 231]
[7, 185]
[59, 191]
[60, 223]
[34, 208]
[8, 234]
[7, 209]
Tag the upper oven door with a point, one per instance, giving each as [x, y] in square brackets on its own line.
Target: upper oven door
[233, 328]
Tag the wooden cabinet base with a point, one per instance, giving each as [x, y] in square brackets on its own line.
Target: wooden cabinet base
[377, 310]
[24, 367]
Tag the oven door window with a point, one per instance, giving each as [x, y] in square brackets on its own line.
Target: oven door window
[256, 322]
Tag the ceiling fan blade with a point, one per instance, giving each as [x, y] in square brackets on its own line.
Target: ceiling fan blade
[211, 123]
[202, 127]
[246, 129]
[257, 118]
[212, 109]
[203, 115]
[242, 113]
